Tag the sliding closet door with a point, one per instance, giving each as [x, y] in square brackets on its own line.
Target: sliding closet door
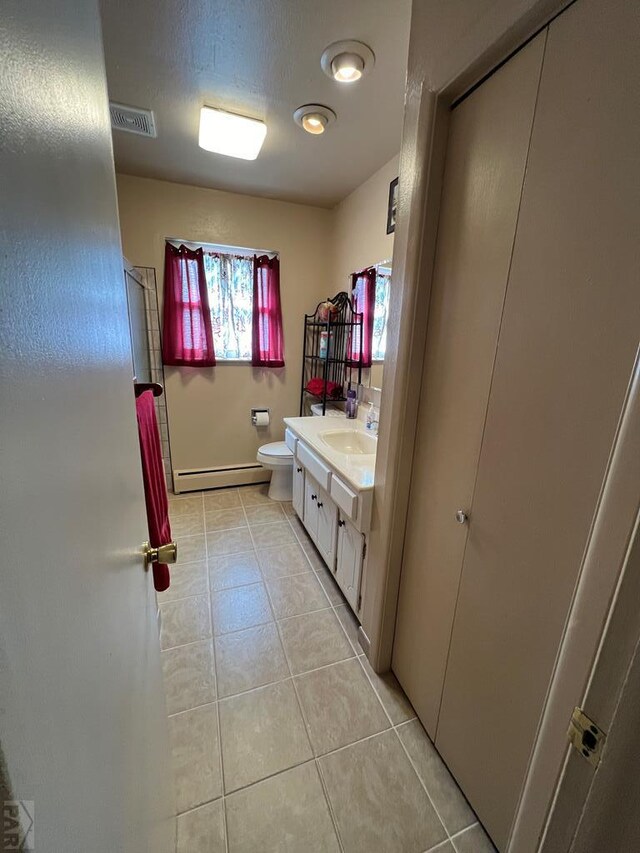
[569, 335]
[486, 157]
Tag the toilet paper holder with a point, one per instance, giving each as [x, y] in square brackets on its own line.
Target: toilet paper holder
[256, 412]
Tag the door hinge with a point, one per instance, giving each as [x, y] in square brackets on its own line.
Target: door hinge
[586, 737]
[364, 548]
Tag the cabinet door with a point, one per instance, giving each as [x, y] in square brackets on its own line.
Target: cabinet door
[327, 514]
[310, 515]
[486, 158]
[298, 489]
[349, 560]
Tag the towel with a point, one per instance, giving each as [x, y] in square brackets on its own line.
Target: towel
[155, 488]
[316, 385]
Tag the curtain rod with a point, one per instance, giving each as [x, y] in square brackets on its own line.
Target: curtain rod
[219, 246]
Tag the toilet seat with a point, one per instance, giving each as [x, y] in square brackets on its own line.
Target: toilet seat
[274, 454]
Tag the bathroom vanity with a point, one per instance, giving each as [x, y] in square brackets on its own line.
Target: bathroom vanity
[333, 468]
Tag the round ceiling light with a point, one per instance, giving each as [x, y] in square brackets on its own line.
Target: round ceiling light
[314, 118]
[347, 61]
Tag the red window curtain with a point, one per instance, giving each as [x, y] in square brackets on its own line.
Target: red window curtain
[267, 343]
[187, 338]
[363, 292]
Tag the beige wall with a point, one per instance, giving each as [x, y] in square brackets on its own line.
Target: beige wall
[209, 418]
[360, 236]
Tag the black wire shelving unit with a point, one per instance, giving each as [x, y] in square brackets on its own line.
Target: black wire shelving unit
[325, 353]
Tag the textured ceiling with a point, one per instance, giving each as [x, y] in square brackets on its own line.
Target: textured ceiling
[261, 58]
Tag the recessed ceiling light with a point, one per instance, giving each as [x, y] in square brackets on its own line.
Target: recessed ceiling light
[347, 61]
[314, 118]
[231, 134]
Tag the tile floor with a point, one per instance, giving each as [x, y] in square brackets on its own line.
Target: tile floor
[283, 738]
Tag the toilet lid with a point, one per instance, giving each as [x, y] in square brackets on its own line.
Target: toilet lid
[275, 448]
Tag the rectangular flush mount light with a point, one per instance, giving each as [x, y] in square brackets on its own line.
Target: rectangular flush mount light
[230, 134]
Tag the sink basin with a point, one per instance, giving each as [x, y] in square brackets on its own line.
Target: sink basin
[351, 441]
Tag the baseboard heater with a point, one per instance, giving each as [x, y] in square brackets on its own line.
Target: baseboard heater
[195, 479]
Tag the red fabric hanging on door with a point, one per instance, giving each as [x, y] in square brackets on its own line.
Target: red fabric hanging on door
[155, 487]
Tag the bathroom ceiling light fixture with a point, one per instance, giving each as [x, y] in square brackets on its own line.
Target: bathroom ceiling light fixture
[347, 61]
[314, 118]
[230, 134]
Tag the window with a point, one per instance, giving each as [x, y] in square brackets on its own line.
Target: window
[230, 289]
[380, 313]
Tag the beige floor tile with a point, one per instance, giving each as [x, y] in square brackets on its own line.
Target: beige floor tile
[239, 608]
[186, 579]
[221, 542]
[272, 535]
[191, 524]
[225, 519]
[189, 676]
[391, 695]
[339, 705]
[283, 561]
[287, 813]
[184, 505]
[248, 659]
[196, 756]
[287, 508]
[329, 585]
[455, 812]
[220, 499]
[350, 624]
[233, 570]
[296, 594]
[300, 531]
[313, 640]
[377, 799]
[262, 733]
[443, 847]
[257, 494]
[264, 513]
[474, 840]
[185, 621]
[191, 549]
[202, 830]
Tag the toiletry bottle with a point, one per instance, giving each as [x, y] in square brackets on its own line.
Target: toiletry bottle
[351, 408]
[370, 417]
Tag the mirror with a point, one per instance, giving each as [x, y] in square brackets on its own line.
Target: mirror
[372, 376]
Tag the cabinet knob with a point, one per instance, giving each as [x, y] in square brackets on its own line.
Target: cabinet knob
[299, 470]
[314, 497]
[320, 504]
[340, 523]
[461, 516]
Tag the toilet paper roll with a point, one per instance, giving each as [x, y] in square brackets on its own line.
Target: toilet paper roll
[262, 419]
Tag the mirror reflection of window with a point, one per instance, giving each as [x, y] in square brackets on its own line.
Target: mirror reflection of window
[381, 312]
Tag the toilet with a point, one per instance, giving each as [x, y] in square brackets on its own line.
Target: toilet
[277, 457]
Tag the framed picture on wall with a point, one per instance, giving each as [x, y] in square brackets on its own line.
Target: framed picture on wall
[392, 207]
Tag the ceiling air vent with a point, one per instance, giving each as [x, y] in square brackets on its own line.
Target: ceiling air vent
[132, 119]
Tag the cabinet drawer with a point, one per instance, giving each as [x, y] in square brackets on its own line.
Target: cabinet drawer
[346, 499]
[290, 440]
[314, 465]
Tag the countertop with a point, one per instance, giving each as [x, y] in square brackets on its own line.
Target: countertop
[355, 468]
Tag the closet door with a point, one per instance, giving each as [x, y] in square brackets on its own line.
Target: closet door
[486, 158]
[567, 344]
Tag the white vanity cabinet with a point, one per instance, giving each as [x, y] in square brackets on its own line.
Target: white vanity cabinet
[349, 558]
[336, 515]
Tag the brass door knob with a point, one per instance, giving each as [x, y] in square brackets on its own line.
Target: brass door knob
[162, 554]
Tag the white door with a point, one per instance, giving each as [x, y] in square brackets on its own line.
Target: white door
[311, 506]
[298, 489]
[82, 719]
[349, 560]
[327, 524]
